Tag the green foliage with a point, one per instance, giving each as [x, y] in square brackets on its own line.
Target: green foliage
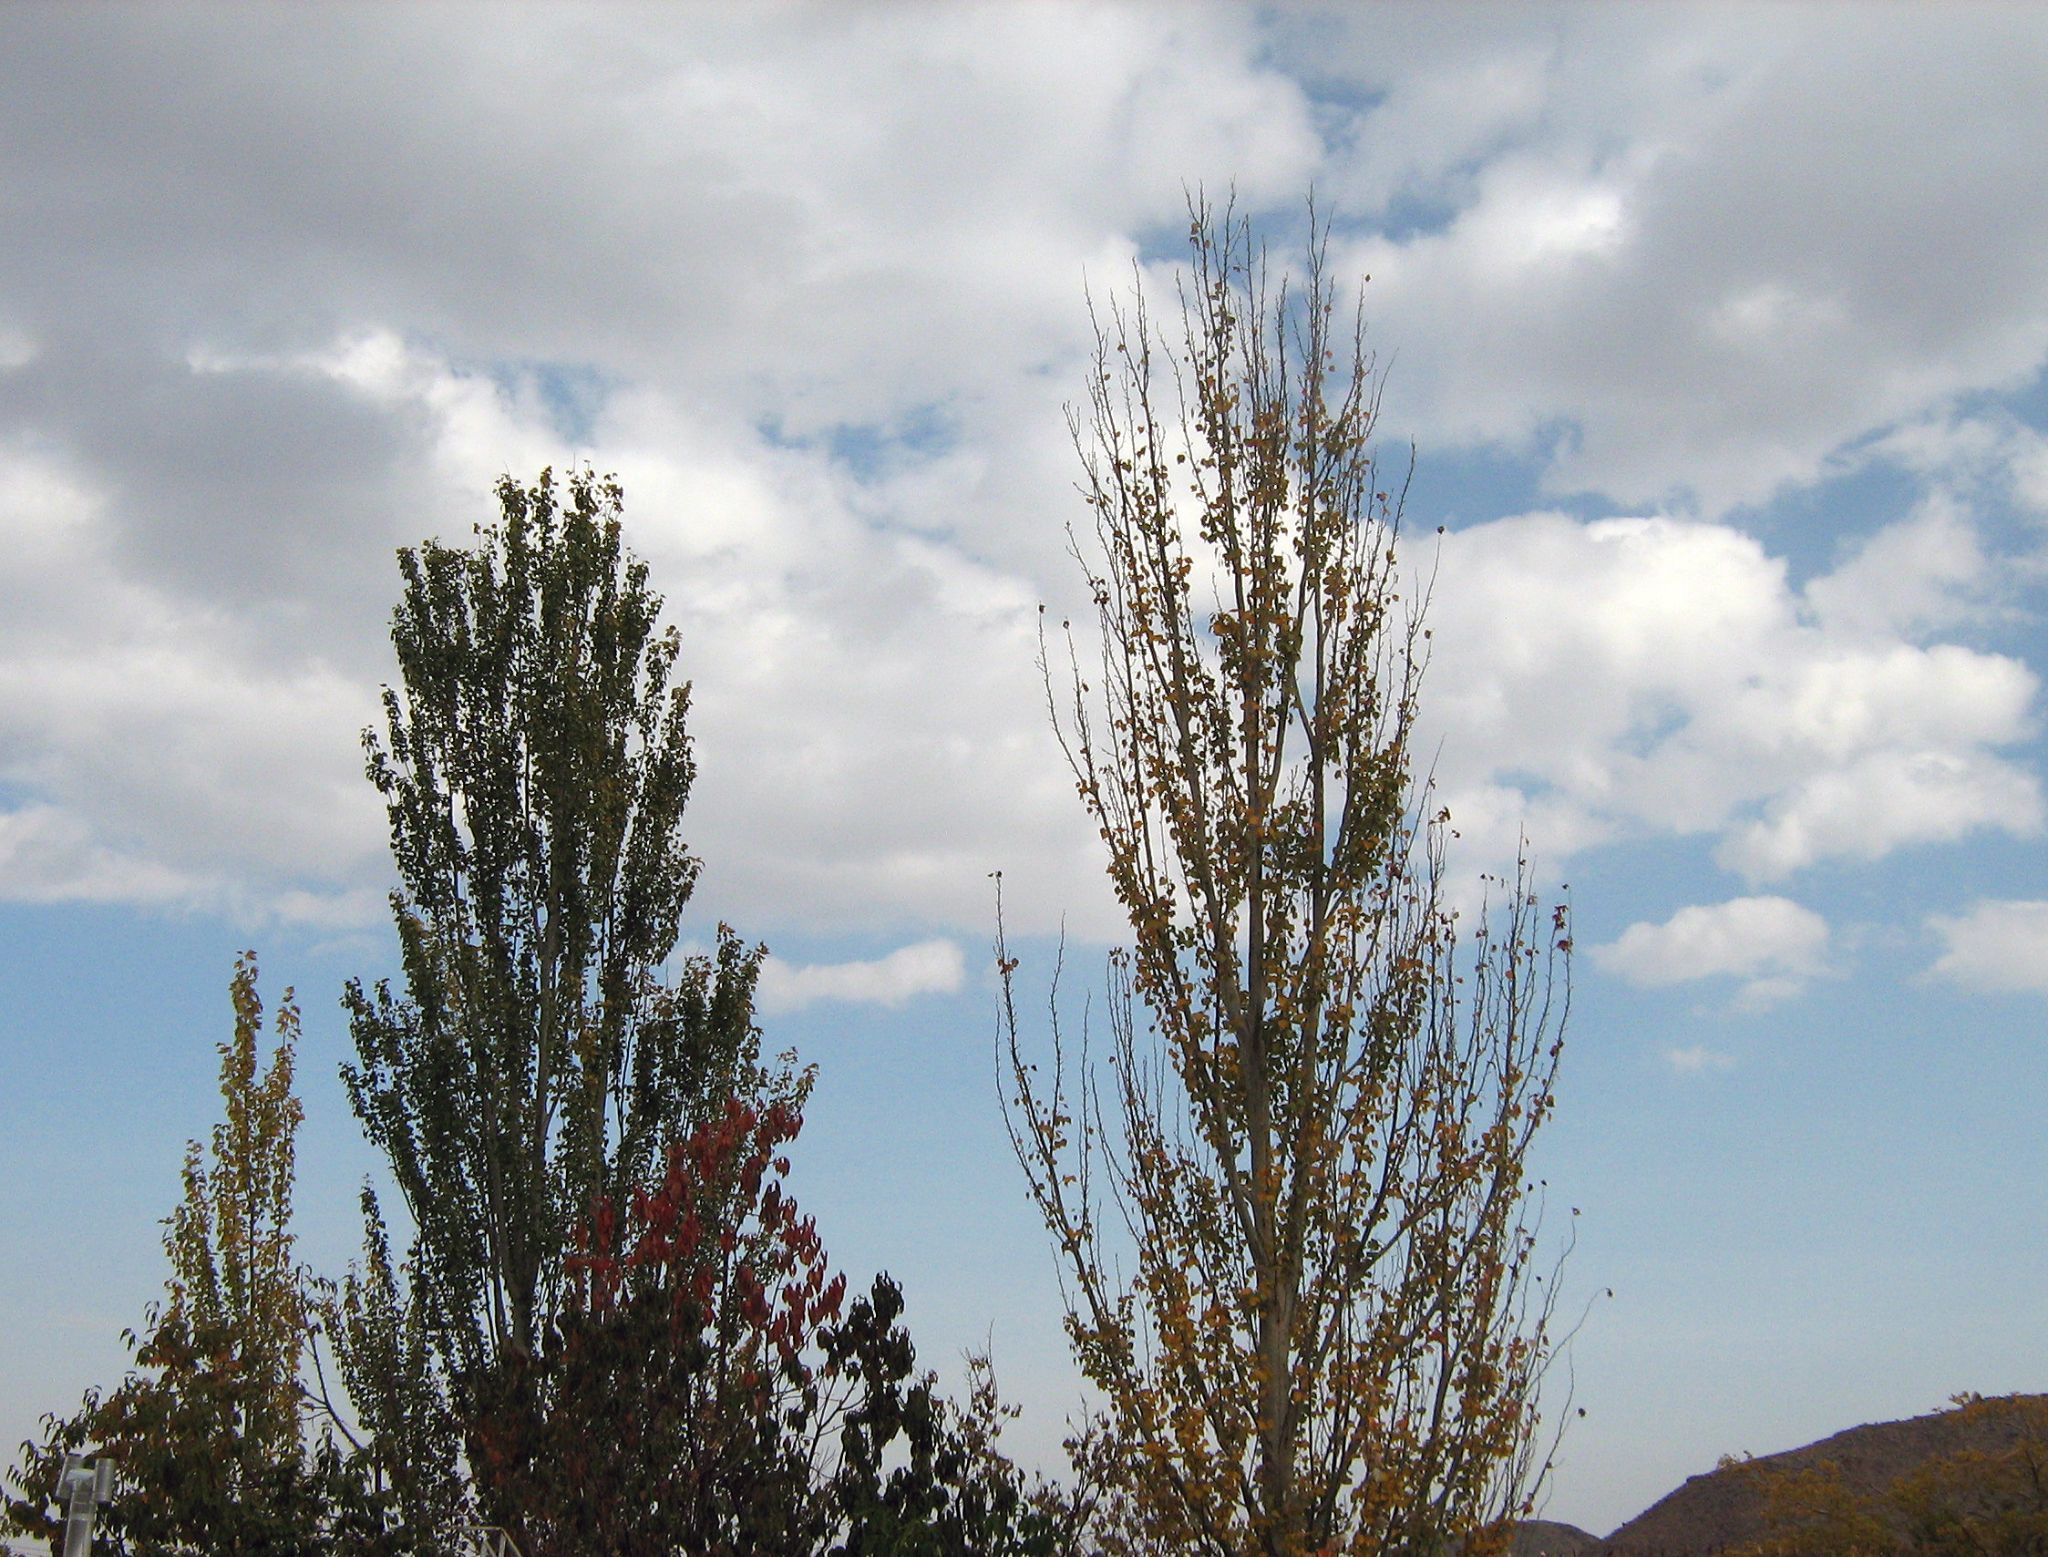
[207, 1429]
[190, 1480]
[230, 1242]
[410, 1439]
[954, 1493]
[535, 766]
[614, 1331]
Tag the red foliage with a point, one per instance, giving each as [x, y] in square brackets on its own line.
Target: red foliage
[716, 1236]
[678, 1406]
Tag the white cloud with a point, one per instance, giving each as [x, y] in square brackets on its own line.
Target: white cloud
[1697, 1059]
[1713, 248]
[755, 241]
[865, 708]
[933, 967]
[1993, 451]
[49, 855]
[1925, 572]
[752, 254]
[1644, 676]
[1771, 944]
[868, 716]
[1999, 945]
[160, 759]
[1881, 801]
[1943, 445]
[829, 221]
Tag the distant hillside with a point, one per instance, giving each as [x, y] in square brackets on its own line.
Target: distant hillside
[1725, 1507]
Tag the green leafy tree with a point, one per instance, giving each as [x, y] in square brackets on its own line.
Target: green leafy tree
[535, 765]
[1296, 1256]
[405, 1434]
[610, 1303]
[209, 1432]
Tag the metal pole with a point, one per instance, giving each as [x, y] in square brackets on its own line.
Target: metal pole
[84, 1489]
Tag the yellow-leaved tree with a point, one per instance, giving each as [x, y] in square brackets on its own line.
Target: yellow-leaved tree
[208, 1430]
[1293, 1216]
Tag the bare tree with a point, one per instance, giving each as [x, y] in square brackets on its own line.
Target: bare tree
[1296, 1239]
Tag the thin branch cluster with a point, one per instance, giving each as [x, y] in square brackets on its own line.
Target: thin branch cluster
[1292, 1210]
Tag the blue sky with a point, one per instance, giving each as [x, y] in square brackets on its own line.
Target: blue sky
[1720, 335]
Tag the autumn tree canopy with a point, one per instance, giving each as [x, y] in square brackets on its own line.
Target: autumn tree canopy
[713, 1386]
[208, 1432]
[1291, 1212]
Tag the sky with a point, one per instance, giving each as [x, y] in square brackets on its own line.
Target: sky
[1719, 339]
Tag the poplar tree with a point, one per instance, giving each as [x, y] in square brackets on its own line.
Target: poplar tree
[535, 764]
[1291, 1215]
[208, 1432]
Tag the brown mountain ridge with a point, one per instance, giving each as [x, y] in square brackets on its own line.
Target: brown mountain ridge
[1946, 1454]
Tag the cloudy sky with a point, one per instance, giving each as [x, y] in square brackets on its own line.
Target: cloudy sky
[1719, 336]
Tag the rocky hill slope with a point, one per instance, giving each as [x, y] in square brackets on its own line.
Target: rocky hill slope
[1724, 1508]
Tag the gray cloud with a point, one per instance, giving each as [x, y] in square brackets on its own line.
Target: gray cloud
[262, 493]
[1718, 254]
[277, 295]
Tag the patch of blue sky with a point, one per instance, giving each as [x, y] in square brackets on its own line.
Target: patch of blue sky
[1653, 724]
[1837, 1079]
[2027, 403]
[906, 1100]
[112, 1023]
[1818, 525]
[1460, 485]
[1668, 1088]
[573, 394]
[1617, 883]
[1914, 880]
[1473, 482]
[102, 1051]
[1304, 46]
[869, 451]
[1408, 216]
[1163, 244]
[872, 451]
